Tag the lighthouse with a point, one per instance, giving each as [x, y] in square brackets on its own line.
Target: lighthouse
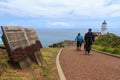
[104, 28]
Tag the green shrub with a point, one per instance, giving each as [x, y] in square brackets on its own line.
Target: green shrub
[97, 47]
[108, 43]
[116, 51]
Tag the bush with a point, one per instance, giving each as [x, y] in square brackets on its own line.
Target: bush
[116, 51]
[109, 40]
[108, 43]
[97, 47]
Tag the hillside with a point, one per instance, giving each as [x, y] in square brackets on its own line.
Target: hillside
[46, 72]
[108, 43]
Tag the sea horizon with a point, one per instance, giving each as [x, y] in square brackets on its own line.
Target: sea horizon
[51, 36]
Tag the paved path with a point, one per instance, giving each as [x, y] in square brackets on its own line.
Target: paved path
[78, 66]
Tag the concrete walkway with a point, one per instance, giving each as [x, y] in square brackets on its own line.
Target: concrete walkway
[78, 66]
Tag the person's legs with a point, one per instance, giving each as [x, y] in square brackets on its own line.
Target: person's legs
[80, 47]
[89, 48]
[77, 47]
[86, 48]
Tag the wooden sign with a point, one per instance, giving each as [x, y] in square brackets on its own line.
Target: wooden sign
[18, 42]
[35, 45]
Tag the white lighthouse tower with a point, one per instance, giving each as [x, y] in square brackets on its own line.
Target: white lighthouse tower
[104, 28]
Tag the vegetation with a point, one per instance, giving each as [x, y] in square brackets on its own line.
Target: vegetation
[63, 44]
[46, 72]
[108, 43]
[49, 70]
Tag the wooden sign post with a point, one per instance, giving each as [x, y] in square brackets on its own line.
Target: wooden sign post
[22, 44]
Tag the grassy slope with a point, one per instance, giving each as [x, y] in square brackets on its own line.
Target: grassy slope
[108, 43]
[48, 72]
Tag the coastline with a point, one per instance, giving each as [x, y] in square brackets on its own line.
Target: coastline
[63, 44]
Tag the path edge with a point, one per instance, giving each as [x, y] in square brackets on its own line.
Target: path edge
[106, 53]
[60, 71]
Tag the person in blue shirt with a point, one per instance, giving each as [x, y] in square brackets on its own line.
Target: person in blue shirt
[79, 39]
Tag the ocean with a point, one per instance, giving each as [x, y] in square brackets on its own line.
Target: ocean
[50, 36]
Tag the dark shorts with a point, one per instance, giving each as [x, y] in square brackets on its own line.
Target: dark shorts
[79, 44]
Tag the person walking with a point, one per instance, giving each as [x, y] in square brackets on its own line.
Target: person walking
[79, 39]
[88, 40]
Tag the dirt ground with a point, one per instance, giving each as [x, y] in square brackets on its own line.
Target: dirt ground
[48, 72]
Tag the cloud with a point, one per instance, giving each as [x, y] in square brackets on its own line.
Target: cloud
[59, 24]
[61, 8]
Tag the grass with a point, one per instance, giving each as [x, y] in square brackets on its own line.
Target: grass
[46, 72]
[3, 64]
[101, 48]
[107, 49]
[34, 77]
[48, 54]
[10, 78]
[108, 43]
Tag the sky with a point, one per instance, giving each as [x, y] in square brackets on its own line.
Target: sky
[60, 14]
